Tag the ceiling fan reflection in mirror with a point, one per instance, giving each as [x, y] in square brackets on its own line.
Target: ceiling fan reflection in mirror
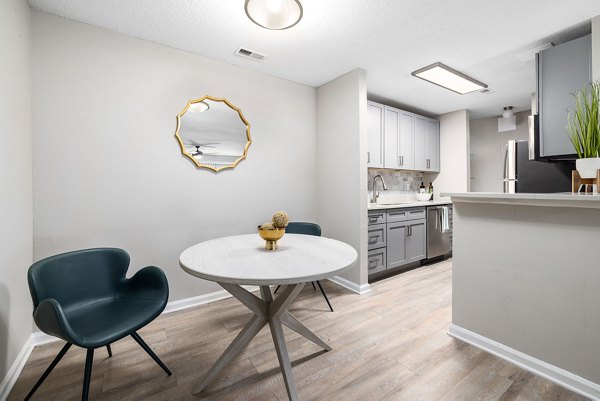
[196, 152]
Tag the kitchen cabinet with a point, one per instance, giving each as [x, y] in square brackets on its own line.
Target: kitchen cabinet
[398, 139]
[375, 135]
[561, 70]
[427, 143]
[377, 260]
[396, 249]
[396, 237]
[406, 242]
[377, 236]
[416, 240]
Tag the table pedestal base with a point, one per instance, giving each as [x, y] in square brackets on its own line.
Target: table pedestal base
[266, 311]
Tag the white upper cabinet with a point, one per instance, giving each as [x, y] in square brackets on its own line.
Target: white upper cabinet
[402, 140]
[432, 146]
[391, 139]
[375, 135]
[421, 128]
[398, 139]
[406, 149]
[427, 143]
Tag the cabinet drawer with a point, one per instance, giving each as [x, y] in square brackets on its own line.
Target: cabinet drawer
[405, 214]
[377, 217]
[376, 236]
[414, 214]
[376, 261]
[395, 215]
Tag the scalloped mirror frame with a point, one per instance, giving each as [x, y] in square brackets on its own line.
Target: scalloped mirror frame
[214, 99]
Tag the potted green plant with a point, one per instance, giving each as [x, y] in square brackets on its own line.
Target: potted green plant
[584, 129]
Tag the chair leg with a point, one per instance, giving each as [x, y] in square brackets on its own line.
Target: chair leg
[146, 348]
[87, 374]
[325, 295]
[313, 284]
[109, 350]
[277, 289]
[57, 359]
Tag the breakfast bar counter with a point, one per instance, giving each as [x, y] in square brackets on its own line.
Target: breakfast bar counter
[526, 282]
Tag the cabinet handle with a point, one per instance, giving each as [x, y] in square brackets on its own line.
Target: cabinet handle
[428, 163]
[402, 160]
[372, 219]
[368, 157]
[373, 238]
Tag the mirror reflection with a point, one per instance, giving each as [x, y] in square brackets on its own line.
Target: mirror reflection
[213, 133]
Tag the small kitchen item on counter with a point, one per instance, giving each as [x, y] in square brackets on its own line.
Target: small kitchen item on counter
[422, 188]
[422, 197]
[430, 190]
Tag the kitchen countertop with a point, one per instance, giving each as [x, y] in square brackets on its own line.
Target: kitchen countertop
[562, 199]
[374, 206]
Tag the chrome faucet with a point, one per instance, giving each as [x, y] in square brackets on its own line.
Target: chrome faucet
[375, 193]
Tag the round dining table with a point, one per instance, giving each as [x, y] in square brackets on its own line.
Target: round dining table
[242, 260]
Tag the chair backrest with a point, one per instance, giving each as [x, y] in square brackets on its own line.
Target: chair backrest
[299, 227]
[78, 277]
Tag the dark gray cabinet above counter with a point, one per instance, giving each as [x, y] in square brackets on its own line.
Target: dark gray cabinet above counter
[561, 71]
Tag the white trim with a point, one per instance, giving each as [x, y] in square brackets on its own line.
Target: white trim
[186, 303]
[553, 373]
[15, 370]
[352, 286]
[41, 338]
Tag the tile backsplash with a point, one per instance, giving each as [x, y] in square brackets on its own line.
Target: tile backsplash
[397, 180]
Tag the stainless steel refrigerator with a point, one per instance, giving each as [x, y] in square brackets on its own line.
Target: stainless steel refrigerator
[522, 175]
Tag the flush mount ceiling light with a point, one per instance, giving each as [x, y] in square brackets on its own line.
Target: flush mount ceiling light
[508, 112]
[274, 14]
[446, 77]
[199, 107]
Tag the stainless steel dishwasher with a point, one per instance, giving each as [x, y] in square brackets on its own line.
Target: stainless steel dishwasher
[439, 230]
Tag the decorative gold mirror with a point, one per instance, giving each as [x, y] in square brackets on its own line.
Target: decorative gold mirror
[213, 133]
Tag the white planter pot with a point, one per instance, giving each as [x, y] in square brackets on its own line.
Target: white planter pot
[587, 167]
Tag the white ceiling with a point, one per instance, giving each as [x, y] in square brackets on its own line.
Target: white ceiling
[388, 38]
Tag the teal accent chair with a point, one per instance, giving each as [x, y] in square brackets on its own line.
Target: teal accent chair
[84, 298]
[299, 227]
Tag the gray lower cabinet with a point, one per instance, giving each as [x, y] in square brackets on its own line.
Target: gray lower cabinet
[376, 236]
[396, 238]
[377, 260]
[400, 240]
[416, 240]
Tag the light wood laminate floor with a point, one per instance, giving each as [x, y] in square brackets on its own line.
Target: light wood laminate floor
[390, 344]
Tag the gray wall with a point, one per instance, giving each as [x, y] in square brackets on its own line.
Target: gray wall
[527, 277]
[108, 170]
[487, 151]
[15, 180]
[342, 165]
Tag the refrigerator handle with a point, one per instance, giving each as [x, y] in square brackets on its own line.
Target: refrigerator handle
[505, 178]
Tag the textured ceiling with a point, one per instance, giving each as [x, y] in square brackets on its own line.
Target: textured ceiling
[388, 38]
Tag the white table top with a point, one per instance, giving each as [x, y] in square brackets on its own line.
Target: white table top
[242, 259]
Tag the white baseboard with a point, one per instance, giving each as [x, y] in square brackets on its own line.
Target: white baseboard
[553, 373]
[352, 286]
[15, 370]
[181, 304]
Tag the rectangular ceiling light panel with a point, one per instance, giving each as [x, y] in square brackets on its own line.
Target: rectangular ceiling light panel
[449, 78]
